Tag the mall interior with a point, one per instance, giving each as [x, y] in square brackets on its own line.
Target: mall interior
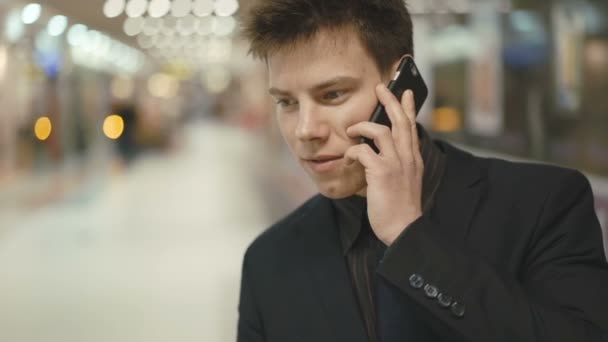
[140, 154]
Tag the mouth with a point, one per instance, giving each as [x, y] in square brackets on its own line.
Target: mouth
[323, 164]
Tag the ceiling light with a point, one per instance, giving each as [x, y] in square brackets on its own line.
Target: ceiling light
[146, 42]
[76, 34]
[14, 27]
[206, 25]
[31, 13]
[133, 26]
[225, 26]
[152, 26]
[186, 25]
[226, 8]
[202, 8]
[57, 25]
[181, 8]
[169, 24]
[136, 8]
[113, 8]
[159, 8]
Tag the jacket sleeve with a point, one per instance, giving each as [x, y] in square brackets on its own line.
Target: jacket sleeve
[250, 327]
[560, 293]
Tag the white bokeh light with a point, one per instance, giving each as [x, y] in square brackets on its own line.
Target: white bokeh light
[169, 25]
[163, 42]
[14, 27]
[181, 8]
[146, 42]
[113, 8]
[31, 13]
[152, 26]
[225, 26]
[159, 8]
[77, 34]
[57, 25]
[206, 25]
[133, 26]
[203, 8]
[136, 8]
[226, 8]
[187, 25]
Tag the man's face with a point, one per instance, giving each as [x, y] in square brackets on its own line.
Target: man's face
[322, 87]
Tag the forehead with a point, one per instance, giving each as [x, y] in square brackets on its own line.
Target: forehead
[326, 55]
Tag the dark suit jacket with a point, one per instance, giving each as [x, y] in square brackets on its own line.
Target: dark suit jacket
[518, 244]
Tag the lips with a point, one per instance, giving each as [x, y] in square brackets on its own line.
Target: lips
[324, 159]
[323, 163]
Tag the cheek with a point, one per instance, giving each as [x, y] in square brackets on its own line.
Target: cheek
[360, 108]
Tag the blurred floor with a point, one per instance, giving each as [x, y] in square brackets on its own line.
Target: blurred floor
[150, 254]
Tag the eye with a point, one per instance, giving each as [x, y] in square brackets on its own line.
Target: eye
[285, 102]
[333, 95]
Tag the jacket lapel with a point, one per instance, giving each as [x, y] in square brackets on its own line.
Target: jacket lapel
[459, 193]
[322, 259]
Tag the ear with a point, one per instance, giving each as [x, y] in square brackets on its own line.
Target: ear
[394, 67]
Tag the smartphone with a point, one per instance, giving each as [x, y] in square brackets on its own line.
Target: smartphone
[406, 77]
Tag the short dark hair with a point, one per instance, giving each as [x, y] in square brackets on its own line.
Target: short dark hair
[383, 26]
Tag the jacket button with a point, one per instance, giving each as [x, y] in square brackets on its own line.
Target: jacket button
[431, 291]
[458, 309]
[444, 300]
[416, 281]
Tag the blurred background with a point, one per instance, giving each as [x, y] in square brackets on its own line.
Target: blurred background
[139, 154]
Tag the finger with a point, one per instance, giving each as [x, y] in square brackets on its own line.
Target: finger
[409, 107]
[380, 134]
[363, 154]
[394, 110]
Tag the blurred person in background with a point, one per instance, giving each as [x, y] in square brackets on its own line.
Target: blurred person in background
[421, 241]
[126, 143]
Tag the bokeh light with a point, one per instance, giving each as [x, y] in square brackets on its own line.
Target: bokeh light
[133, 26]
[159, 8]
[181, 8]
[14, 28]
[225, 26]
[113, 126]
[43, 128]
[226, 8]
[203, 8]
[77, 34]
[31, 13]
[136, 8]
[57, 25]
[113, 8]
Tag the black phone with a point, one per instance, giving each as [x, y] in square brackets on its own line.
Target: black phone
[406, 77]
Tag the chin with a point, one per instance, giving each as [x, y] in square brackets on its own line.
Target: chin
[341, 188]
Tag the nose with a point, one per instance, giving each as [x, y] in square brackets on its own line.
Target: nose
[311, 124]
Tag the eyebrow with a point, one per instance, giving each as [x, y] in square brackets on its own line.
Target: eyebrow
[321, 86]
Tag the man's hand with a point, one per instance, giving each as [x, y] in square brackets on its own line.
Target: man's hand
[394, 175]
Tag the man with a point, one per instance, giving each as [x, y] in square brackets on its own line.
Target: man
[421, 241]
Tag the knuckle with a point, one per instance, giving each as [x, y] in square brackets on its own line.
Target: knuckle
[384, 131]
